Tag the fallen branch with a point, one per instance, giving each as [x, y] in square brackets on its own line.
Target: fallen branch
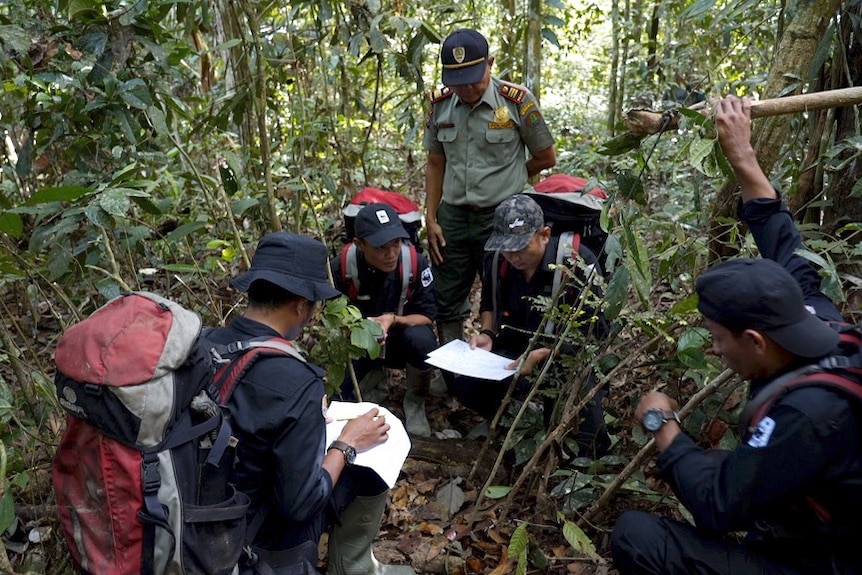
[647, 449]
[645, 122]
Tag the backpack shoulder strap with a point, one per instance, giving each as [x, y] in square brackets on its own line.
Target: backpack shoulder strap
[566, 239]
[350, 271]
[843, 373]
[243, 355]
[407, 268]
[498, 272]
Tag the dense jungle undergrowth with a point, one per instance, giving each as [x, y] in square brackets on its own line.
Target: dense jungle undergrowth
[148, 145]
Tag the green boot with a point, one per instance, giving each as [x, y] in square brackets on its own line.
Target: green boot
[350, 543]
[450, 330]
[416, 383]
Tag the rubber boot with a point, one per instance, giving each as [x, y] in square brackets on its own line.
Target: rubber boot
[375, 385]
[446, 331]
[350, 543]
[450, 330]
[416, 383]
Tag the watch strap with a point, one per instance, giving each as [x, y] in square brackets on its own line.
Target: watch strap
[345, 449]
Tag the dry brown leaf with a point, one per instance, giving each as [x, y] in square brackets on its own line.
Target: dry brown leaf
[493, 534]
[457, 531]
[429, 528]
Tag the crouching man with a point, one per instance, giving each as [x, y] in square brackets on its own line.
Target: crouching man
[297, 483]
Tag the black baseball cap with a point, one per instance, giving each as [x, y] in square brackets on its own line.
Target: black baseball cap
[464, 56]
[760, 294]
[378, 224]
[294, 263]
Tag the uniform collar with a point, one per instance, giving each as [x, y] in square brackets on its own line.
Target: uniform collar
[490, 97]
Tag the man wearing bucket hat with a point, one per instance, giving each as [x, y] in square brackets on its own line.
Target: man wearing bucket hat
[478, 133]
[295, 482]
[792, 482]
[517, 269]
[392, 284]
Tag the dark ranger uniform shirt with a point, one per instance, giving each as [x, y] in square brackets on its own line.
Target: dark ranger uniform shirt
[807, 445]
[518, 315]
[380, 291]
[277, 417]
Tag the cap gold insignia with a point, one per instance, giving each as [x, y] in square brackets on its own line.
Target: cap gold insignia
[459, 53]
[501, 115]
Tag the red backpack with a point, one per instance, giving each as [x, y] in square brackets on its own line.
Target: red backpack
[408, 212]
[141, 473]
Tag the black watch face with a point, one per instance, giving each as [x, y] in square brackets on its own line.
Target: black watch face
[350, 455]
[653, 420]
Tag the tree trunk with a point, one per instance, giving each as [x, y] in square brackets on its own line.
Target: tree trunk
[793, 58]
[505, 60]
[841, 208]
[533, 64]
[613, 111]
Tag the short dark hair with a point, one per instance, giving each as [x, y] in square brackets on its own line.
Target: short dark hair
[265, 294]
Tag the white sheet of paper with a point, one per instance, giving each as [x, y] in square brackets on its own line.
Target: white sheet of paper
[387, 458]
[457, 357]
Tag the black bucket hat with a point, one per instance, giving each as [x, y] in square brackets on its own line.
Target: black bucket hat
[292, 262]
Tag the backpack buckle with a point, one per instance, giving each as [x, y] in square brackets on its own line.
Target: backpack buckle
[150, 476]
[835, 362]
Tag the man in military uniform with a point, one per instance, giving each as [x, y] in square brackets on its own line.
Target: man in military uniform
[477, 133]
[517, 269]
[372, 273]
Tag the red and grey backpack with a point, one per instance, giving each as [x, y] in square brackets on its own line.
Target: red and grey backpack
[141, 475]
[407, 210]
[407, 270]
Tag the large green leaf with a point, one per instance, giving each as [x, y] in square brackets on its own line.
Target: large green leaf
[11, 224]
[15, 39]
[579, 540]
[58, 194]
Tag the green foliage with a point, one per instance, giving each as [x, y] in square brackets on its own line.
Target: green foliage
[342, 335]
[579, 540]
[518, 547]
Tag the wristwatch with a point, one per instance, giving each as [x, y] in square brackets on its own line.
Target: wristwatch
[348, 451]
[654, 418]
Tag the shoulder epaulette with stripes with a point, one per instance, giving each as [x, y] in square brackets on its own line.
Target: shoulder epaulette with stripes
[439, 94]
[512, 92]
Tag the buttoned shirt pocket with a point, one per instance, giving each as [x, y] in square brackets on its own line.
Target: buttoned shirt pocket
[499, 148]
[447, 135]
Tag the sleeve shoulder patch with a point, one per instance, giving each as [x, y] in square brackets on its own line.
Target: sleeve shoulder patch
[439, 94]
[513, 93]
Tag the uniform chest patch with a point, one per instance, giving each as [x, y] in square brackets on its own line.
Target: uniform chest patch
[761, 435]
[426, 277]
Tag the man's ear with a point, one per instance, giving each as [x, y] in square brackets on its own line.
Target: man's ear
[490, 61]
[758, 339]
[359, 244]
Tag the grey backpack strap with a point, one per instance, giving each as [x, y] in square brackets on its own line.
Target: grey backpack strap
[495, 281]
[351, 271]
[280, 346]
[406, 275]
[566, 239]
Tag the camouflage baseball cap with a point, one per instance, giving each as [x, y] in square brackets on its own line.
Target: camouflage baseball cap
[516, 221]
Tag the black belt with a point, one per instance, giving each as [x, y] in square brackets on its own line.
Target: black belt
[473, 209]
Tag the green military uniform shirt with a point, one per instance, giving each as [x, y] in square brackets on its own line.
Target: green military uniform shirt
[485, 145]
